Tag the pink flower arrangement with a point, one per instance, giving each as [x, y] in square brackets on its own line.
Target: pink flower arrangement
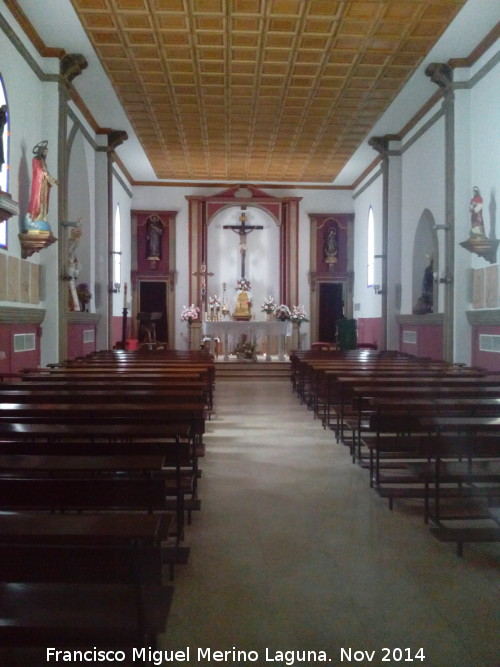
[268, 306]
[190, 313]
[243, 285]
[298, 314]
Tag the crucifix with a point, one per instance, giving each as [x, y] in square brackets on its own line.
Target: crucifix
[203, 274]
[243, 229]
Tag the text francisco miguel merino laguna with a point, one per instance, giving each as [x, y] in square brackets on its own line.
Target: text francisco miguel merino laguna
[202, 655]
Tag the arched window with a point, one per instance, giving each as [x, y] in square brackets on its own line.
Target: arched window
[117, 249]
[4, 153]
[370, 234]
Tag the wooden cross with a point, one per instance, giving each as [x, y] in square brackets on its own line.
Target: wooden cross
[203, 274]
[243, 229]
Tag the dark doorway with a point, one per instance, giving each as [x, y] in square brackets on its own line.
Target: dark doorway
[331, 309]
[153, 299]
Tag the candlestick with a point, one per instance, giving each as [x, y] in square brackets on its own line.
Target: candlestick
[125, 295]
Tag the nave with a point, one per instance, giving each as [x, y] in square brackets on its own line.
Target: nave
[293, 551]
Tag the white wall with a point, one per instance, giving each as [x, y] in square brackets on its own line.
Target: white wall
[477, 145]
[366, 303]
[34, 114]
[423, 190]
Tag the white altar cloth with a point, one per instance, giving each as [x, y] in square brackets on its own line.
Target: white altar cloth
[232, 330]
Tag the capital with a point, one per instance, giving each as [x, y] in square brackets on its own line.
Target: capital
[440, 73]
[72, 65]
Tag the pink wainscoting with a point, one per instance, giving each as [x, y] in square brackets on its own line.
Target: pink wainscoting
[487, 360]
[429, 341]
[76, 345]
[117, 329]
[370, 330]
[17, 361]
[5, 348]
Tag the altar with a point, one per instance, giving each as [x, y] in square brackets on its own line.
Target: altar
[230, 332]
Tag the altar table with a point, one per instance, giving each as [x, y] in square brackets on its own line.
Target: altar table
[254, 330]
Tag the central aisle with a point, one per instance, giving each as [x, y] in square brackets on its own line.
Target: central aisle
[293, 551]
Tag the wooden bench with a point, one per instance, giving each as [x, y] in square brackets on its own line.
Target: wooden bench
[466, 535]
[67, 438]
[82, 615]
[83, 548]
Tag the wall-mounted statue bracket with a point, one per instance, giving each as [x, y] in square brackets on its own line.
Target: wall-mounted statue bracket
[482, 246]
[32, 242]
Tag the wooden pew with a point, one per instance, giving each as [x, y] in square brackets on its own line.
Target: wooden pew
[69, 438]
[78, 548]
[82, 615]
[133, 429]
[406, 437]
[122, 380]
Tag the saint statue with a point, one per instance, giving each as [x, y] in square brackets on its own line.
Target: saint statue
[154, 231]
[242, 310]
[73, 269]
[40, 190]
[476, 213]
[330, 246]
[3, 123]
[478, 242]
[425, 302]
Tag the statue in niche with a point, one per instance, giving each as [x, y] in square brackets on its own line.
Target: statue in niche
[154, 231]
[3, 123]
[330, 246]
[73, 268]
[425, 302]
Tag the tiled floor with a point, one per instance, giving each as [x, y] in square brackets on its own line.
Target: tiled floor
[292, 551]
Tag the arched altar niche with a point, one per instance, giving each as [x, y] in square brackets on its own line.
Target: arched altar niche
[425, 266]
[285, 212]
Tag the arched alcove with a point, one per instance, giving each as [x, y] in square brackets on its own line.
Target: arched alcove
[425, 252]
[284, 211]
[78, 207]
[262, 255]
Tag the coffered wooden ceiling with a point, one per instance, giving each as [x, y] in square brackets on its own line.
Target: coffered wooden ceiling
[259, 90]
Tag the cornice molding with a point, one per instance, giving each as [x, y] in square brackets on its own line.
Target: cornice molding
[222, 184]
[76, 317]
[483, 317]
[479, 51]
[13, 315]
[31, 33]
[430, 319]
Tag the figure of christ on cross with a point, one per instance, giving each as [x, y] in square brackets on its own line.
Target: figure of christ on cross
[243, 229]
[203, 274]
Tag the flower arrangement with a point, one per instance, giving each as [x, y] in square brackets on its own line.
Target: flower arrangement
[243, 285]
[282, 312]
[190, 313]
[214, 302]
[246, 349]
[268, 306]
[298, 314]
[83, 293]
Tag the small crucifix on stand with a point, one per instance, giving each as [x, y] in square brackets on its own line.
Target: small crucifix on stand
[203, 274]
[243, 230]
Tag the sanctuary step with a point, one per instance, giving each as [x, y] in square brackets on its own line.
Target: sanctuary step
[252, 370]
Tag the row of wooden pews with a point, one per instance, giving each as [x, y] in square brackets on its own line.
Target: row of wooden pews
[98, 478]
[427, 432]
